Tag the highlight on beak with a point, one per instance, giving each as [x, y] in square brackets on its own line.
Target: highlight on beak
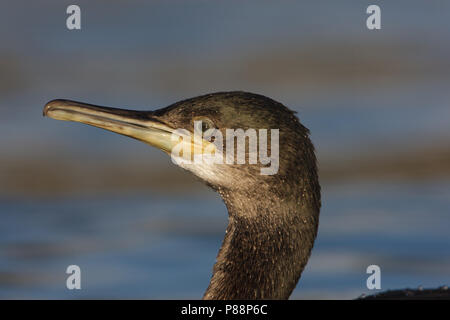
[140, 125]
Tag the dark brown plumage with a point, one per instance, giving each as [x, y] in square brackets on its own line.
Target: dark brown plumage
[273, 219]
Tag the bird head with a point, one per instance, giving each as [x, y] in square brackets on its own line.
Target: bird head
[217, 136]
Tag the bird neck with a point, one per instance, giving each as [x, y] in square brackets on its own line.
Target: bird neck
[265, 249]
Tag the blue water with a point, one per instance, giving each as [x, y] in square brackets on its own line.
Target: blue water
[159, 247]
[146, 55]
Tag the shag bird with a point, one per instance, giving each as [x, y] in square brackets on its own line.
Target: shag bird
[273, 218]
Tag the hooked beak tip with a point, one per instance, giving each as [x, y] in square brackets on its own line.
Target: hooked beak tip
[51, 104]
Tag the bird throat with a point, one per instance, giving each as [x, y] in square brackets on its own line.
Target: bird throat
[266, 247]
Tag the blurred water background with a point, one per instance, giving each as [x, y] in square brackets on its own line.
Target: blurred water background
[377, 104]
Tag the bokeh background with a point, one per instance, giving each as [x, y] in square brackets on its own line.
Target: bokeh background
[377, 104]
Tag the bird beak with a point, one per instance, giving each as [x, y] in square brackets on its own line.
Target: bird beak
[140, 125]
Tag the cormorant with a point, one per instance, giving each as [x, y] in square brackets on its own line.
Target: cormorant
[273, 218]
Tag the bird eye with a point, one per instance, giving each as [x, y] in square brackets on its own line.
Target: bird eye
[206, 124]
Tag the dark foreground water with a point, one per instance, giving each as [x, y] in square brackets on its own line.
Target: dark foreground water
[158, 247]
